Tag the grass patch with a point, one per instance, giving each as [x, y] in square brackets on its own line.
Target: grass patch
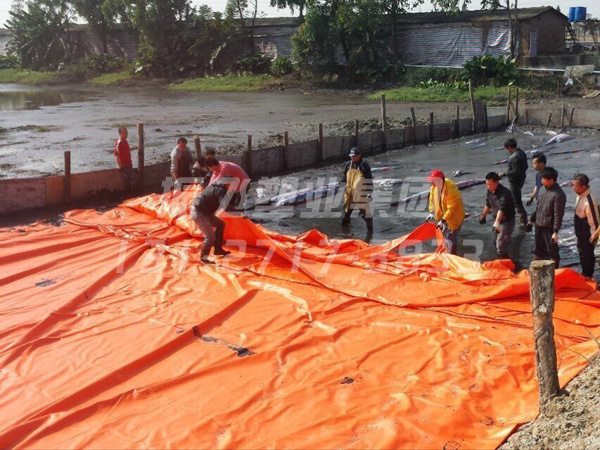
[28, 77]
[229, 83]
[419, 94]
[112, 78]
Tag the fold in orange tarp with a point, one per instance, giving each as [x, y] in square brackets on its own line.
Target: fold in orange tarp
[113, 335]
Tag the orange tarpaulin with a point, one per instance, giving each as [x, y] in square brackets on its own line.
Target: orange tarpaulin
[113, 335]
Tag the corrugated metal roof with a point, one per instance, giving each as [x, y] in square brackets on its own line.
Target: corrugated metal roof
[475, 16]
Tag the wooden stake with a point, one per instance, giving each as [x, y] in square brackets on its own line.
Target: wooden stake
[485, 117]
[571, 118]
[356, 127]
[549, 120]
[508, 121]
[320, 144]
[562, 115]
[472, 97]
[286, 149]
[457, 124]
[517, 106]
[383, 114]
[67, 178]
[414, 126]
[140, 127]
[197, 147]
[541, 275]
[431, 127]
[249, 156]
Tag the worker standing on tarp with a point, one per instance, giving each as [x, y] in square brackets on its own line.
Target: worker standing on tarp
[517, 171]
[586, 223]
[205, 207]
[501, 204]
[446, 208]
[359, 187]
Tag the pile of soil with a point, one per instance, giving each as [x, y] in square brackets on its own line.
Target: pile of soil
[571, 421]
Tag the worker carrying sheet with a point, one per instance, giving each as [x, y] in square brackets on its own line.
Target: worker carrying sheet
[359, 187]
[446, 208]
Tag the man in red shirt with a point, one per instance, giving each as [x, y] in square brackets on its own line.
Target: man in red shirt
[228, 172]
[123, 156]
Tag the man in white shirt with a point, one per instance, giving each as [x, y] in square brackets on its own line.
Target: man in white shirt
[586, 223]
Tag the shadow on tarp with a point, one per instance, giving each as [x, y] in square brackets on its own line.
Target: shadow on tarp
[114, 335]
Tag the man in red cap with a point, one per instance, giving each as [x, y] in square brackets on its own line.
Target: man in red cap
[446, 208]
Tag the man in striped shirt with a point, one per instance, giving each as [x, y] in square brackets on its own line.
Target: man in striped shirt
[586, 223]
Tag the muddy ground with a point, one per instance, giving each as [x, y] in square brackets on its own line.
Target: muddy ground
[38, 124]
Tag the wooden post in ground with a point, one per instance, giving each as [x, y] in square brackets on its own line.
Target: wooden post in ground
[431, 126]
[562, 116]
[541, 274]
[249, 156]
[384, 126]
[320, 144]
[517, 105]
[414, 126]
[472, 97]
[67, 179]
[549, 120]
[286, 149]
[140, 127]
[526, 117]
[457, 124]
[383, 114]
[485, 117]
[356, 127]
[508, 121]
[571, 118]
[197, 147]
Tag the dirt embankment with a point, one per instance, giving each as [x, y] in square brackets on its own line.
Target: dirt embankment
[571, 422]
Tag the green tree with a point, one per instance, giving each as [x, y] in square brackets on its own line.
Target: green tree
[98, 16]
[292, 5]
[39, 33]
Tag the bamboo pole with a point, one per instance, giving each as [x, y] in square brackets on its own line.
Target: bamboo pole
[485, 117]
[356, 128]
[541, 274]
[457, 124]
[571, 118]
[549, 120]
[508, 121]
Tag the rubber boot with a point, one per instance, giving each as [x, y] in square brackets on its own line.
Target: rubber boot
[346, 218]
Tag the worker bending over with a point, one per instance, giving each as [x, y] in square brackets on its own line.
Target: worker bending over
[446, 208]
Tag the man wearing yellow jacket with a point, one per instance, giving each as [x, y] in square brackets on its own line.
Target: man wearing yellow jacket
[446, 208]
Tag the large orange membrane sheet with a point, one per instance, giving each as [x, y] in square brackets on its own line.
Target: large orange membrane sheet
[113, 335]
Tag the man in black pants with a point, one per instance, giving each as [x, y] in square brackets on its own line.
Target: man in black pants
[517, 171]
[205, 206]
[500, 203]
[586, 223]
[548, 217]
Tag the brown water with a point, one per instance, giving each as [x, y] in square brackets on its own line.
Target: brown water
[42, 123]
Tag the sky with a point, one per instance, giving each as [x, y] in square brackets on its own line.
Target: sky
[593, 6]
